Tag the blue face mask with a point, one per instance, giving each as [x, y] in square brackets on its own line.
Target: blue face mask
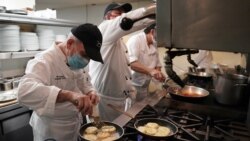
[77, 62]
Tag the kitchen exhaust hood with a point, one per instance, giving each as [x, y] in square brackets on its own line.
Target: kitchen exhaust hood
[219, 25]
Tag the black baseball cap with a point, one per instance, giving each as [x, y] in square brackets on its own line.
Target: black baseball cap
[125, 6]
[91, 37]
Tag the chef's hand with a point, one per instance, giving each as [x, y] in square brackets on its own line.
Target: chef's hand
[83, 104]
[157, 75]
[94, 98]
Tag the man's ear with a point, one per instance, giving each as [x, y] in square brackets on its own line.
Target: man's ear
[69, 43]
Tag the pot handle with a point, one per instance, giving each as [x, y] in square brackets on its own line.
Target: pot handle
[164, 84]
[236, 85]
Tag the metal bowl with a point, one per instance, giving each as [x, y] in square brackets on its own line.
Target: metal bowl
[6, 85]
[2, 9]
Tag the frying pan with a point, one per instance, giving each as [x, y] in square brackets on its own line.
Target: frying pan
[204, 75]
[161, 122]
[188, 93]
[119, 129]
[142, 122]
[199, 73]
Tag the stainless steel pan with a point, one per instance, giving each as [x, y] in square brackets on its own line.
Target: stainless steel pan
[205, 75]
[188, 93]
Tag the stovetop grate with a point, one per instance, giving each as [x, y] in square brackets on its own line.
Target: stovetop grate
[192, 127]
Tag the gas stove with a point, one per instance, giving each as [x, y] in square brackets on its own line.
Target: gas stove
[191, 126]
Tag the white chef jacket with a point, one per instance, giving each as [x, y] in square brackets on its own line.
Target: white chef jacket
[112, 78]
[203, 59]
[44, 77]
[139, 50]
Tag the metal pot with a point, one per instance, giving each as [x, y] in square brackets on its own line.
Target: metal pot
[230, 88]
[202, 75]
[2, 9]
[6, 85]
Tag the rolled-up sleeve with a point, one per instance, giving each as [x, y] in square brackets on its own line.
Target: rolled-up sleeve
[158, 60]
[133, 49]
[34, 90]
[112, 28]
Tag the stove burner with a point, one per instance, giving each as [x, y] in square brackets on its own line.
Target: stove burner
[192, 127]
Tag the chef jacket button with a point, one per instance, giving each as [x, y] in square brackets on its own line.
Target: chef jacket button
[125, 93]
[126, 51]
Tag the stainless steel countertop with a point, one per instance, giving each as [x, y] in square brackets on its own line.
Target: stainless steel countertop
[151, 100]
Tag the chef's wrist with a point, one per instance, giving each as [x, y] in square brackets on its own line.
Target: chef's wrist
[151, 72]
[64, 96]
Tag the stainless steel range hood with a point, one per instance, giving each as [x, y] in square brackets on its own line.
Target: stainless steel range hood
[218, 25]
[221, 25]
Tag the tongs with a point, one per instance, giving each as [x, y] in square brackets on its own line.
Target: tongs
[96, 117]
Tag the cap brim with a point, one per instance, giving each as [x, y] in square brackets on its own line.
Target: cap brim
[126, 7]
[94, 54]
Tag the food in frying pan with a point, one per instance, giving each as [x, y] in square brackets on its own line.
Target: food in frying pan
[108, 129]
[142, 129]
[90, 137]
[109, 139]
[91, 130]
[102, 135]
[192, 94]
[152, 125]
[150, 131]
[105, 133]
[162, 131]
[154, 129]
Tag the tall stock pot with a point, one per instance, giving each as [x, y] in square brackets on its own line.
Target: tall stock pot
[230, 89]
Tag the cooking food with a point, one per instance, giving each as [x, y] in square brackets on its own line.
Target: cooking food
[91, 130]
[109, 139]
[191, 94]
[102, 135]
[152, 125]
[90, 137]
[105, 133]
[142, 129]
[108, 129]
[154, 129]
[162, 131]
[150, 131]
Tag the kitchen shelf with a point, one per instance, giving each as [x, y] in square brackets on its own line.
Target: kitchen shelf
[35, 20]
[14, 55]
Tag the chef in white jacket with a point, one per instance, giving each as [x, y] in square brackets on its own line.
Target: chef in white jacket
[144, 60]
[56, 87]
[204, 58]
[113, 79]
